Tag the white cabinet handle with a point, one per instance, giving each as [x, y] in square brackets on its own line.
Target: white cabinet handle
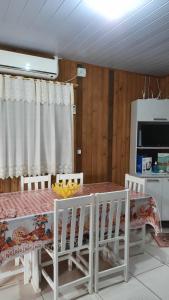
[153, 180]
[160, 119]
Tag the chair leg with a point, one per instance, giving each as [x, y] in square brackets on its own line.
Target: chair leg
[96, 269]
[90, 286]
[126, 274]
[143, 238]
[56, 294]
[77, 258]
[27, 268]
[40, 262]
[105, 254]
[116, 248]
[70, 265]
[17, 261]
[35, 271]
[56, 277]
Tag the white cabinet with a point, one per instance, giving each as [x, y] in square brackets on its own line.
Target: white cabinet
[147, 111]
[152, 112]
[165, 199]
[159, 189]
[154, 188]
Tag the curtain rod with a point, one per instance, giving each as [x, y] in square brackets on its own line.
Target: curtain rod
[75, 85]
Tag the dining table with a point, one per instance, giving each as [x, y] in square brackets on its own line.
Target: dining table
[26, 220]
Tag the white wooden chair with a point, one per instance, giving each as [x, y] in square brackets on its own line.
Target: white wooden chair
[74, 177]
[136, 184]
[108, 213]
[70, 177]
[32, 182]
[36, 181]
[71, 212]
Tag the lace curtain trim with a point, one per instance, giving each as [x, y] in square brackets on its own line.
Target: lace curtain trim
[16, 171]
[31, 90]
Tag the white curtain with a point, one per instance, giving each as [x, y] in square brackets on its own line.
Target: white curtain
[36, 128]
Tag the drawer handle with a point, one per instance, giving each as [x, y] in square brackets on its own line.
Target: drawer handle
[153, 180]
[160, 119]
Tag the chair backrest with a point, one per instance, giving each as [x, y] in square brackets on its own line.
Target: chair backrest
[112, 208]
[36, 182]
[73, 218]
[135, 184]
[74, 177]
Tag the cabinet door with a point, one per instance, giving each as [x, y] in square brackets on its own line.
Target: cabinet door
[154, 188]
[153, 110]
[165, 199]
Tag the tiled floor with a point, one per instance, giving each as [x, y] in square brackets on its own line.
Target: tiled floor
[149, 280]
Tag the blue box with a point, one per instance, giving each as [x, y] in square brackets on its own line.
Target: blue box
[144, 164]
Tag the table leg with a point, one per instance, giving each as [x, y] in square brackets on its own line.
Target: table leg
[27, 268]
[35, 271]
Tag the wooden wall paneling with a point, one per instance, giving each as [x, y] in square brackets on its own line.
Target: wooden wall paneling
[118, 132]
[95, 123]
[96, 147]
[114, 125]
[87, 126]
[78, 127]
[110, 123]
[5, 185]
[124, 126]
[15, 184]
[164, 86]
[67, 70]
[127, 87]
[121, 125]
[100, 126]
[105, 112]
[163, 82]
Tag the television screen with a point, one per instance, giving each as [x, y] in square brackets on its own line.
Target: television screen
[153, 134]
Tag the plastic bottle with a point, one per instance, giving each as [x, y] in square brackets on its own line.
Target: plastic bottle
[155, 167]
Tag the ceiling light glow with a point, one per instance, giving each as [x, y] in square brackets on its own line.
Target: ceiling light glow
[113, 9]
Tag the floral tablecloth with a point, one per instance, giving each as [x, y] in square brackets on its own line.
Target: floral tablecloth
[26, 218]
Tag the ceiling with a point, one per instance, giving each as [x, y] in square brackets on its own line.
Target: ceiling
[138, 42]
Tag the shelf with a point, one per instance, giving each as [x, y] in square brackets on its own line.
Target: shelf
[158, 148]
[153, 175]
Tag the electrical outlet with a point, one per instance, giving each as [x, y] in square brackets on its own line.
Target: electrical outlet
[81, 72]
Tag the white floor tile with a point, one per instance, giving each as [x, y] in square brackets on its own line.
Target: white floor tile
[143, 263]
[90, 297]
[133, 290]
[159, 253]
[71, 293]
[18, 292]
[158, 281]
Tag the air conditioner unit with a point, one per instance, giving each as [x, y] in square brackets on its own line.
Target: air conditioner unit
[28, 65]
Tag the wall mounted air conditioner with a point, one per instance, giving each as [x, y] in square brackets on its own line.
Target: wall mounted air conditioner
[28, 65]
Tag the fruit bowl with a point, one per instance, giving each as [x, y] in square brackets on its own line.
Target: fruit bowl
[65, 190]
